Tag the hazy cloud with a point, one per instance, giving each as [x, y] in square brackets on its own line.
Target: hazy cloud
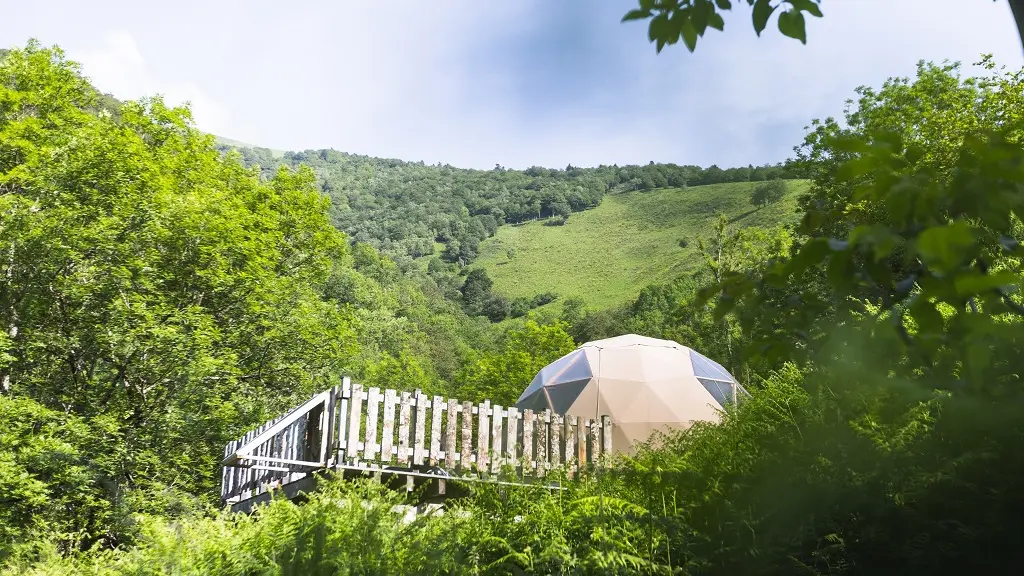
[117, 66]
[515, 83]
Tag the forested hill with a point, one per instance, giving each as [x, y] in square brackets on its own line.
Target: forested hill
[409, 210]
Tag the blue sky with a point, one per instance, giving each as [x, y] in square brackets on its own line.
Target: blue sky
[476, 84]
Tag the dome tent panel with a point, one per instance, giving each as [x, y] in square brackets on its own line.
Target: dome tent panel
[722, 392]
[705, 367]
[550, 372]
[577, 369]
[587, 403]
[643, 384]
[562, 395]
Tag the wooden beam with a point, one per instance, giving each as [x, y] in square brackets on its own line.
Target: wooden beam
[272, 430]
[282, 461]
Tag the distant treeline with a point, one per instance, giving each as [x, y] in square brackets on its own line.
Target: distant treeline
[405, 209]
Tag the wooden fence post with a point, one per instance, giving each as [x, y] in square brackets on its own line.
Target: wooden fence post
[511, 435]
[355, 422]
[449, 433]
[466, 457]
[436, 408]
[421, 423]
[528, 420]
[372, 415]
[404, 417]
[483, 431]
[387, 441]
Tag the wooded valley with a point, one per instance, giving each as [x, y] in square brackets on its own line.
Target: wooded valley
[163, 291]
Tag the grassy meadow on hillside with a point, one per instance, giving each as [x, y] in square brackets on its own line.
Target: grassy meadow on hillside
[607, 254]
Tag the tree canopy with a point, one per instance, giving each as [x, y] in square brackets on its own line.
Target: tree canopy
[409, 210]
[157, 298]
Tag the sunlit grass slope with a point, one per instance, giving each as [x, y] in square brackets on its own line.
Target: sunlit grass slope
[607, 254]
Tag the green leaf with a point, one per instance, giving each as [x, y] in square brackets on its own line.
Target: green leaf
[979, 357]
[975, 282]
[879, 271]
[723, 4]
[699, 17]
[926, 316]
[776, 278]
[812, 221]
[639, 14]
[674, 28]
[878, 237]
[689, 35]
[762, 11]
[810, 254]
[914, 153]
[715, 21]
[945, 247]
[738, 286]
[647, 4]
[723, 306]
[658, 29]
[806, 6]
[840, 271]
[791, 23]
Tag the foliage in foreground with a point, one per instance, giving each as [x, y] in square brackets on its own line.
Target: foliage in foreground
[816, 473]
[884, 436]
[157, 299]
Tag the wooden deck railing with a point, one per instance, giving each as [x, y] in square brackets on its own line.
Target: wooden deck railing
[351, 427]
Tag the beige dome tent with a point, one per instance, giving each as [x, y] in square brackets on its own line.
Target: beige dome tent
[643, 384]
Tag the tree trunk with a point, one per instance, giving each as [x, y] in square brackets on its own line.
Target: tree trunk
[1017, 7]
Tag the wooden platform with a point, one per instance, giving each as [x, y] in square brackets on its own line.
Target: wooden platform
[348, 430]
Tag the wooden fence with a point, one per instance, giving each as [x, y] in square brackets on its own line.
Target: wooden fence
[350, 427]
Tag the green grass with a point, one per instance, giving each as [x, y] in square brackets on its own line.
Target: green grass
[607, 254]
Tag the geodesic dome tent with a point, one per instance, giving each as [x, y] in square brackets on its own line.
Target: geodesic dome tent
[643, 384]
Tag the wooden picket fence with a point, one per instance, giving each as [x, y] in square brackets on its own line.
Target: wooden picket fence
[349, 427]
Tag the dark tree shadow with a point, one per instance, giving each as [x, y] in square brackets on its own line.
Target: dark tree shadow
[739, 217]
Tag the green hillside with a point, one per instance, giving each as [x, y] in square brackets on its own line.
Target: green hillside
[238, 144]
[607, 254]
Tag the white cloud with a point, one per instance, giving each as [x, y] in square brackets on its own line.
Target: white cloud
[401, 86]
[117, 66]
[452, 81]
